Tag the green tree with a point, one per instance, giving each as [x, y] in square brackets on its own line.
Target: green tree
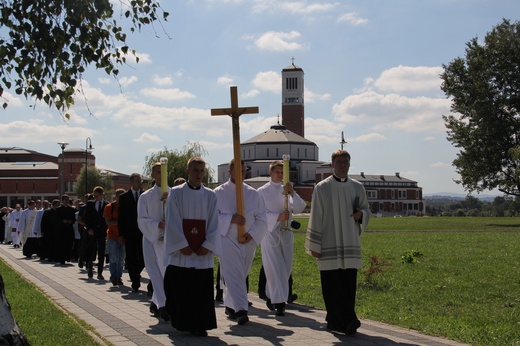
[94, 178]
[484, 87]
[177, 161]
[46, 45]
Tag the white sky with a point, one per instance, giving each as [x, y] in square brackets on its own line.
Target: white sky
[371, 70]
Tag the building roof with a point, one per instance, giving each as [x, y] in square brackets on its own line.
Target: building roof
[28, 166]
[278, 134]
[292, 67]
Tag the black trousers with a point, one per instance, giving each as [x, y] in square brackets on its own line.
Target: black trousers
[189, 298]
[92, 244]
[262, 282]
[134, 259]
[339, 294]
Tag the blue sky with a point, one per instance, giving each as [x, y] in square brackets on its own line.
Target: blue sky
[371, 70]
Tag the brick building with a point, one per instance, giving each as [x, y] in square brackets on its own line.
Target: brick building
[27, 174]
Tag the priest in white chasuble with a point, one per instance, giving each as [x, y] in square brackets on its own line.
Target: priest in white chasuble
[237, 257]
[339, 214]
[191, 242]
[278, 244]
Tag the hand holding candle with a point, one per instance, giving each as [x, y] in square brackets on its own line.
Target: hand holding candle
[286, 168]
[164, 174]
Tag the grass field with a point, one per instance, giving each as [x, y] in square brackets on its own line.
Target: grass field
[39, 319]
[465, 286]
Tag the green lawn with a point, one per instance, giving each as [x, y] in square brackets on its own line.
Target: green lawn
[465, 286]
[40, 320]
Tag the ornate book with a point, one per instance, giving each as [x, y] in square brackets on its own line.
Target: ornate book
[195, 232]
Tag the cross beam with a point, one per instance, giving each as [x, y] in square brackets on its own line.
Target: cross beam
[235, 112]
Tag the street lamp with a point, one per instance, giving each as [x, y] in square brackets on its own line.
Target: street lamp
[62, 145]
[88, 145]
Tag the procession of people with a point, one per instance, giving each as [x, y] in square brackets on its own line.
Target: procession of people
[177, 233]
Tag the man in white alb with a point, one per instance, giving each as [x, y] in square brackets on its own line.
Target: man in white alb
[150, 218]
[277, 246]
[237, 258]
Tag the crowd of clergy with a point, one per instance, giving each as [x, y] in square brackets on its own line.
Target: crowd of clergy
[176, 233]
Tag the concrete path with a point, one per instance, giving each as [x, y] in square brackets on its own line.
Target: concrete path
[121, 316]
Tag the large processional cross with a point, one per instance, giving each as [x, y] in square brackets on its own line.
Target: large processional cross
[235, 112]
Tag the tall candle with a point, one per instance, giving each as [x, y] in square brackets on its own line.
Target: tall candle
[286, 168]
[164, 174]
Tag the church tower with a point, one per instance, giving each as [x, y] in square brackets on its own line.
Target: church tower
[292, 99]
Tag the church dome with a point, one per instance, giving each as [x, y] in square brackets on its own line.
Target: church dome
[278, 134]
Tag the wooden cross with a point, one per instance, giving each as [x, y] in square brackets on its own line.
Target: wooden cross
[235, 112]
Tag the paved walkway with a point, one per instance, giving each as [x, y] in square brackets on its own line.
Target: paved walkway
[121, 316]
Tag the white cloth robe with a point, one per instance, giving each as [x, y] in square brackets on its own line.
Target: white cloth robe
[13, 216]
[278, 246]
[37, 225]
[332, 231]
[186, 203]
[149, 214]
[25, 224]
[237, 258]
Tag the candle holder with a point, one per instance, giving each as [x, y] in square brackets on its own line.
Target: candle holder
[286, 167]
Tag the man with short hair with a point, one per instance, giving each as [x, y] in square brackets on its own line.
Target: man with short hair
[129, 232]
[25, 226]
[237, 258]
[191, 241]
[64, 237]
[116, 248]
[96, 227]
[14, 218]
[278, 244]
[339, 214]
[150, 218]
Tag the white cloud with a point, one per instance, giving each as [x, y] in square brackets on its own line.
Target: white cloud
[167, 94]
[429, 138]
[104, 80]
[295, 7]
[369, 137]
[126, 81]
[268, 81]
[440, 164]
[311, 97]
[145, 137]
[162, 81]
[352, 18]
[408, 78]
[225, 80]
[36, 132]
[393, 111]
[250, 94]
[279, 41]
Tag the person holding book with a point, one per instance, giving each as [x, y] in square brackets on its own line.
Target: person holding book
[191, 241]
[339, 214]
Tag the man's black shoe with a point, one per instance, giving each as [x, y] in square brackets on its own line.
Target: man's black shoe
[199, 333]
[352, 327]
[230, 313]
[153, 309]
[280, 309]
[100, 277]
[164, 314]
[292, 298]
[90, 273]
[242, 317]
[269, 304]
[262, 295]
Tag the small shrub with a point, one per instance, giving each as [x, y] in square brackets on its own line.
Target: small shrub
[411, 256]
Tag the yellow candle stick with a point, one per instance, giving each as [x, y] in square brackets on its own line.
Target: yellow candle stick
[285, 168]
[164, 174]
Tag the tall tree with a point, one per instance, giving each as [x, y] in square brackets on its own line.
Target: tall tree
[484, 87]
[177, 161]
[46, 45]
[94, 177]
